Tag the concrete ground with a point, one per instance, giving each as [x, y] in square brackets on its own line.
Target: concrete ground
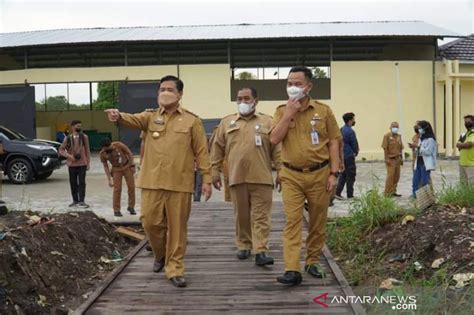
[53, 194]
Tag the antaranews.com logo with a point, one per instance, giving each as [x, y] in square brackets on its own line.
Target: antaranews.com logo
[399, 303]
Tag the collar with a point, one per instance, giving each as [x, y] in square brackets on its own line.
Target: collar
[179, 109]
[246, 118]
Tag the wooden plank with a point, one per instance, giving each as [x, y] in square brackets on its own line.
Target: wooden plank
[130, 233]
[217, 281]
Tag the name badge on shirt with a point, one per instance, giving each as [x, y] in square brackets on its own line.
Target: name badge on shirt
[258, 140]
[314, 137]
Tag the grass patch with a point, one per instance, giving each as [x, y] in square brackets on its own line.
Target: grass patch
[461, 195]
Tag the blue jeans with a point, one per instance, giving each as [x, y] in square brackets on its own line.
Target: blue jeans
[421, 177]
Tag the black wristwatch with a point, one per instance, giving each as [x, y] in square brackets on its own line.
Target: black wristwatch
[336, 174]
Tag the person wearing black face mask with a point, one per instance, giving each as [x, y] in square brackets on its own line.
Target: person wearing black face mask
[466, 152]
[123, 166]
[75, 148]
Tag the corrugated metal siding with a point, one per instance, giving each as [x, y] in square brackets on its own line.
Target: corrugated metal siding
[230, 32]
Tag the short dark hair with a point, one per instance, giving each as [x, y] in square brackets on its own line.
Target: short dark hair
[307, 72]
[348, 116]
[469, 116]
[176, 80]
[105, 142]
[252, 89]
[75, 122]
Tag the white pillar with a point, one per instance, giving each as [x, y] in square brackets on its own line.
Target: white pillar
[449, 109]
[457, 105]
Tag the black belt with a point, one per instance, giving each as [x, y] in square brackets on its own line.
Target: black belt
[307, 169]
[393, 157]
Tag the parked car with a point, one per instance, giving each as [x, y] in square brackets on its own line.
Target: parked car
[26, 159]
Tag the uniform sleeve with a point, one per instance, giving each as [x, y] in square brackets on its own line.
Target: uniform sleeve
[142, 135]
[276, 156]
[201, 151]
[218, 150]
[277, 117]
[137, 121]
[332, 127]
[385, 142]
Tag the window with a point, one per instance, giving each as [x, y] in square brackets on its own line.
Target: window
[40, 96]
[79, 97]
[275, 73]
[104, 95]
[56, 97]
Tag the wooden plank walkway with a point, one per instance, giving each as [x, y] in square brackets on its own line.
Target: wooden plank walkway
[217, 281]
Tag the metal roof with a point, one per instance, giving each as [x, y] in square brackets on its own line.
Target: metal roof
[224, 32]
[460, 49]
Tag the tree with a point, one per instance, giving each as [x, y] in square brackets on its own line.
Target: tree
[319, 73]
[56, 103]
[107, 95]
[245, 75]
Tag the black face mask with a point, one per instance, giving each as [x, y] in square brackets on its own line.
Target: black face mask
[353, 123]
[468, 125]
[415, 129]
[109, 150]
[78, 129]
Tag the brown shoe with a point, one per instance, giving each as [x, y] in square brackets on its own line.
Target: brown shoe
[158, 264]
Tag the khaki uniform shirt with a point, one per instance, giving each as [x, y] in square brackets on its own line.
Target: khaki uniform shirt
[297, 147]
[392, 144]
[172, 143]
[235, 139]
[121, 157]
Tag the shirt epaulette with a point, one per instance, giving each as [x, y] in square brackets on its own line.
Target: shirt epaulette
[190, 112]
[263, 114]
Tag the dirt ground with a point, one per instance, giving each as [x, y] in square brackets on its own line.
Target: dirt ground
[443, 233]
[53, 266]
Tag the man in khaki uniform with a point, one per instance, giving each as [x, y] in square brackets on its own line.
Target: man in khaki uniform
[310, 156]
[174, 139]
[123, 166]
[244, 138]
[393, 150]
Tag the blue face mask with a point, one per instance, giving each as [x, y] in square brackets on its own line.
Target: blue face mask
[421, 131]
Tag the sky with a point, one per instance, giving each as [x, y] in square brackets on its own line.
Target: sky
[16, 16]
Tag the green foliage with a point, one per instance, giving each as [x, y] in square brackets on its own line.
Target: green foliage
[461, 194]
[245, 75]
[319, 73]
[107, 96]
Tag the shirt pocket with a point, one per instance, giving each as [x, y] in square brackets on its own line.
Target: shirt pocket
[321, 127]
[156, 131]
[232, 134]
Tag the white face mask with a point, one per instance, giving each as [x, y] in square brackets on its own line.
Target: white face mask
[295, 92]
[245, 108]
[394, 130]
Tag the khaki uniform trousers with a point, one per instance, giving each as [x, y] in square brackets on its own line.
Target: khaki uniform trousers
[296, 187]
[225, 171]
[393, 175]
[252, 209]
[130, 181]
[165, 215]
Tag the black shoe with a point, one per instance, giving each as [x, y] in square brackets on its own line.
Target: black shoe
[82, 205]
[396, 195]
[243, 253]
[131, 210]
[158, 265]
[290, 278]
[338, 197]
[178, 281]
[148, 248]
[315, 270]
[73, 204]
[262, 259]
[118, 214]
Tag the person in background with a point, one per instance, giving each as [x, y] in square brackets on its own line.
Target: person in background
[426, 154]
[415, 141]
[75, 148]
[123, 166]
[393, 147]
[466, 152]
[351, 150]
